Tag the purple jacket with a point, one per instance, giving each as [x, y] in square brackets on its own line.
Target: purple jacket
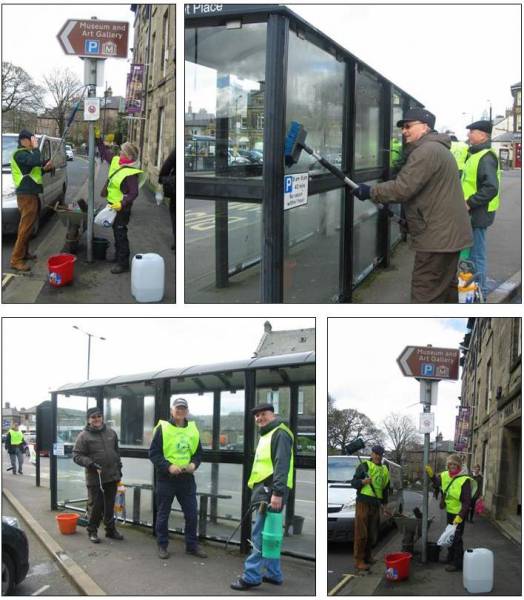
[129, 186]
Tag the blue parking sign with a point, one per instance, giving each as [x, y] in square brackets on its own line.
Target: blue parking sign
[288, 184]
[428, 370]
[92, 46]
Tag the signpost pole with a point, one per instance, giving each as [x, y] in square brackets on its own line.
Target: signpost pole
[426, 392]
[91, 159]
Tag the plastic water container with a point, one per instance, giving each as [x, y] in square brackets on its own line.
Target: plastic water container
[478, 570]
[272, 535]
[147, 277]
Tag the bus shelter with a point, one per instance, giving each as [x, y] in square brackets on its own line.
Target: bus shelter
[220, 398]
[250, 70]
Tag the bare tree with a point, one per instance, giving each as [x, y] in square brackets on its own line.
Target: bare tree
[402, 435]
[64, 88]
[347, 424]
[19, 91]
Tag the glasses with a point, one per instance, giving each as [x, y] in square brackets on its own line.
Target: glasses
[410, 125]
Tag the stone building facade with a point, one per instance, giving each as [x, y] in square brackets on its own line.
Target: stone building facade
[154, 46]
[491, 387]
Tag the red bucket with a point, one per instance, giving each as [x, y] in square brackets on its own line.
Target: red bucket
[67, 523]
[397, 565]
[61, 269]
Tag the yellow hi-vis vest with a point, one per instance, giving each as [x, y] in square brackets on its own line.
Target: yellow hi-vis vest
[452, 495]
[35, 173]
[469, 177]
[17, 437]
[460, 152]
[179, 443]
[114, 193]
[379, 478]
[263, 465]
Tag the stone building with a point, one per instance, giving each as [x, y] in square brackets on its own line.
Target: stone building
[154, 47]
[491, 387]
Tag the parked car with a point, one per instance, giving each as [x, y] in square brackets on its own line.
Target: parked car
[54, 182]
[69, 152]
[254, 156]
[342, 498]
[15, 555]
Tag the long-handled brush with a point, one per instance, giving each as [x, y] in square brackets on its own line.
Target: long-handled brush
[296, 142]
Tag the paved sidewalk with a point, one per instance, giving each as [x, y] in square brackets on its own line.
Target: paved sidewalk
[132, 568]
[431, 579]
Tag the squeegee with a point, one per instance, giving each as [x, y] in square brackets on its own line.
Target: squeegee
[296, 142]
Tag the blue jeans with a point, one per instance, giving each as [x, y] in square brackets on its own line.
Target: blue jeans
[255, 564]
[478, 256]
[185, 493]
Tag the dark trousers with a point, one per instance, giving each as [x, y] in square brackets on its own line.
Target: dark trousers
[456, 550]
[367, 521]
[172, 214]
[101, 505]
[120, 232]
[184, 490]
[435, 277]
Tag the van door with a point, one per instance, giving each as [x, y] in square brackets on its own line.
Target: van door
[48, 178]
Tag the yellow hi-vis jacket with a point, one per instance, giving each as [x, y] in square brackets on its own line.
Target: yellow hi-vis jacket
[469, 177]
[179, 443]
[17, 437]
[263, 465]
[35, 173]
[453, 491]
[117, 174]
[379, 479]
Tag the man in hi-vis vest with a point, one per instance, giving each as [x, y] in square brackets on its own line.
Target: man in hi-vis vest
[457, 489]
[15, 446]
[481, 187]
[176, 452]
[271, 479]
[371, 480]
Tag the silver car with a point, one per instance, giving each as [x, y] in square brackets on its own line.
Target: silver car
[342, 498]
[54, 182]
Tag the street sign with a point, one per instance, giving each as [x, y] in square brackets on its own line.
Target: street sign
[426, 423]
[426, 362]
[91, 109]
[92, 38]
[295, 190]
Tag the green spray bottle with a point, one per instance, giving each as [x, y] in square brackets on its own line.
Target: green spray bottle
[272, 535]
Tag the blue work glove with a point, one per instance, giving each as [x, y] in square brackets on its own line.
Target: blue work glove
[363, 192]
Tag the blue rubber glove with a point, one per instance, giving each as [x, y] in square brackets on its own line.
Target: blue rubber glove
[363, 192]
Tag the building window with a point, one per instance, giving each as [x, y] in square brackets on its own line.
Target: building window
[301, 402]
[488, 387]
[152, 59]
[516, 341]
[159, 138]
[273, 397]
[165, 38]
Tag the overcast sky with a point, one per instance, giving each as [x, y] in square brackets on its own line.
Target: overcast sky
[363, 372]
[452, 58]
[29, 39]
[42, 354]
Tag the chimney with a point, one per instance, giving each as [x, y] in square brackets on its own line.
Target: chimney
[7, 405]
[267, 327]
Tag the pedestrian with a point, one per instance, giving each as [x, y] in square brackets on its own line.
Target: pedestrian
[167, 177]
[96, 449]
[176, 453]
[371, 480]
[26, 169]
[271, 480]
[481, 187]
[15, 445]
[457, 490]
[480, 484]
[429, 187]
[124, 180]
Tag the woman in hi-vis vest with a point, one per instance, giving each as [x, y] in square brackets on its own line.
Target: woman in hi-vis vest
[124, 180]
[457, 488]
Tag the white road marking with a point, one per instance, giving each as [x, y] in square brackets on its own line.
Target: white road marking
[42, 589]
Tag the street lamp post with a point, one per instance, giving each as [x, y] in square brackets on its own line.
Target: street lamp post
[89, 336]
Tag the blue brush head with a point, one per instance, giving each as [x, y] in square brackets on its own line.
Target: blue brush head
[295, 138]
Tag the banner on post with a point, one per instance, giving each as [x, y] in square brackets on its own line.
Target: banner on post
[462, 429]
[134, 91]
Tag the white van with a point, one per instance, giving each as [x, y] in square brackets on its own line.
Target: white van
[54, 182]
[342, 498]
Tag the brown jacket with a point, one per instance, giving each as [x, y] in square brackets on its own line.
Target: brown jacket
[98, 446]
[429, 187]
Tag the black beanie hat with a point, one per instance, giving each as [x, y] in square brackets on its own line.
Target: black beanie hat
[24, 134]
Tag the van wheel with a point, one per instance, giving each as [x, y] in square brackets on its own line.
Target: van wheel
[8, 575]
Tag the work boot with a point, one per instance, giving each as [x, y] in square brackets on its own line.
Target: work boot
[240, 584]
[114, 535]
[93, 537]
[118, 268]
[21, 266]
[361, 565]
[20, 473]
[266, 579]
[162, 552]
[197, 552]
[30, 256]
